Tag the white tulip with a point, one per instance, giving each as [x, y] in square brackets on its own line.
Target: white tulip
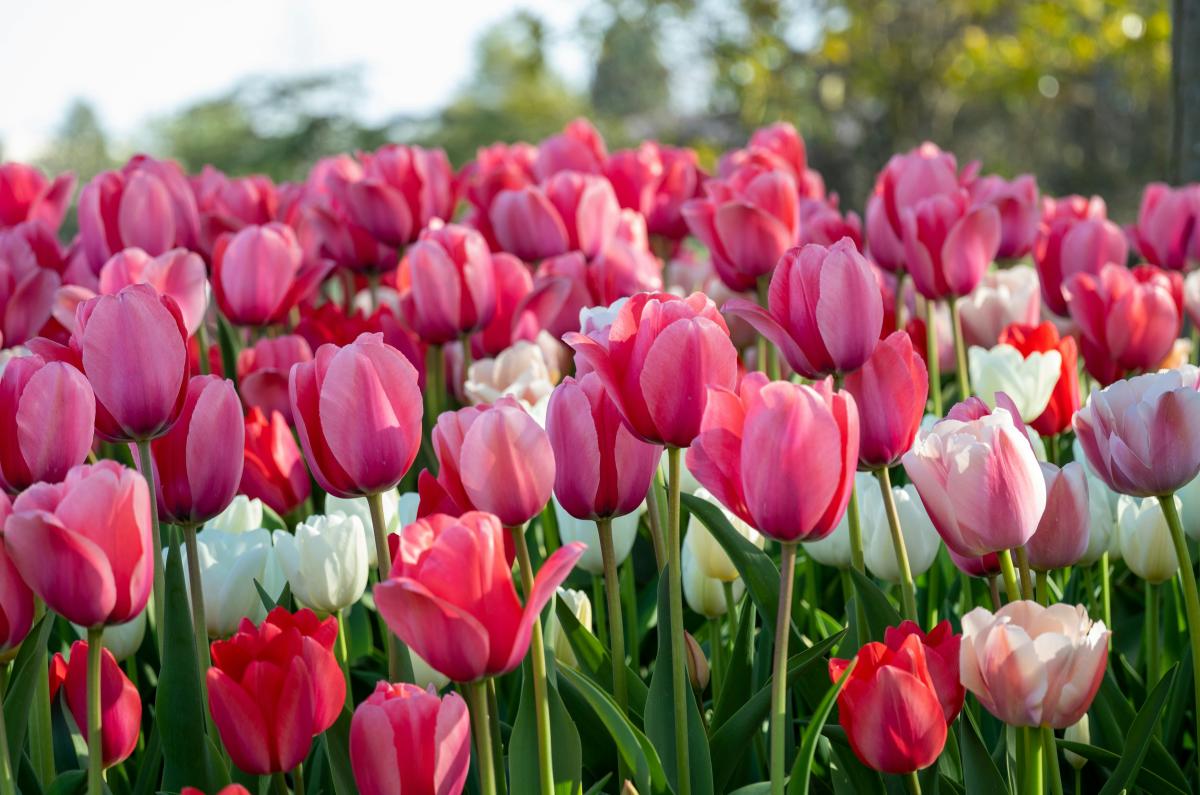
[1028, 380]
[229, 565]
[1146, 540]
[834, 549]
[123, 640]
[710, 555]
[705, 595]
[581, 607]
[243, 514]
[592, 318]
[624, 532]
[325, 561]
[921, 540]
[1077, 733]
[399, 511]
[1189, 512]
[425, 675]
[520, 370]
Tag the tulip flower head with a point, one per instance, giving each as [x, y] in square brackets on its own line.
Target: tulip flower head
[273, 471]
[1145, 539]
[325, 561]
[1029, 380]
[1064, 399]
[889, 391]
[120, 704]
[16, 599]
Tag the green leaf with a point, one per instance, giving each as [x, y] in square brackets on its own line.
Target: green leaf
[738, 684]
[1113, 714]
[271, 520]
[660, 709]
[1147, 778]
[802, 767]
[150, 767]
[18, 704]
[598, 787]
[270, 604]
[757, 788]
[880, 612]
[566, 755]
[228, 342]
[1141, 731]
[337, 751]
[72, 782]
[979, 771]
[596, 661]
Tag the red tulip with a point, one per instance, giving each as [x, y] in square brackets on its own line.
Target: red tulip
[227, 204]
[447, 284]
[1168, 225]
[941, 658]
[805, 315]
[26, 195]
[1074, 237]
[949, 242]
[755, 445]
[890, 708]
[1065, 400]
[579, 147]
[656, 180]
[274, 469]
[84, 545]
[451, 597]
[47, 419]
[262, 372]
[1017, 203]
[358, 412]
[261, 272]
[405, 739]
[120, 704]
[890, 392]
[274, 687]
[1062, 534]
[16, 600]
[30, 265]
[177, 273]
[662, 355]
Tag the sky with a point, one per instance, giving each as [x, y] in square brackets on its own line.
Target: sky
[138, 59]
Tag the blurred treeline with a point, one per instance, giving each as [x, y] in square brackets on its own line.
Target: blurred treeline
[1075, 91]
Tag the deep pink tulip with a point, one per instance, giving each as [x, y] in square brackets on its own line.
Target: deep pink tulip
[1128, 320]
[602, 469]
[405, 739]
[226, 204]
[496, 168]
[983, 566]
[662, 354]
[1074, 237]
[261, 272]
[358, 413]
[84, 545]
[120, 704]
[16, 599]
[1062, 534]
[512, 321]
[262, 372]
[756, 444]
[47, 420]
[451, 597]
[1139, 435]
[30, 265]
[949, 242]
[806, 317]
[656, 180]
[821, 222]
[274, 469]
[26, 195]
[1168, 225]
[890, 392]
[588, 208]
[148, 204]
[198, 463]
[526, 224]
[177, 273]
[579, 147]
[1020, 212]
[447, 284]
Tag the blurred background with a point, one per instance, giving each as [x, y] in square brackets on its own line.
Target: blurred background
[1078, 92]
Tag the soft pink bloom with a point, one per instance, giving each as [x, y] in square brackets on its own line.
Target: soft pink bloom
[84, 545]
[262, 372]
[261, 272]
[47, 421]
[451, 598]
[405, 739]
[982, 566]
[16, 600]
[776, 147]
[177, 273]
[447, 283]
[757, 444]
[27, 195]
[889, 391]
[579, 147]
[1003, 297]
[1062, 534]
[806, 317]
[358, 413]
[120, 703]
[1075, 236]
[655, 180]
[949, 242]
[227, 204]
[1031, 665]
[1168, 225]
[1020, 213]
[30, 266]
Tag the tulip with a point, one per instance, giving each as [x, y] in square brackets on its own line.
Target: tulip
[705, 594]
[921, 540]
[1017, 203]
[1077, 733]
[262, 372]
[274, 470]
[30, 265]
[325, 561]
[273, 688]
[120, 705]
[1064, 400]
[230, 563]
[26, 195]
[178, 274]
[261, 272]
[778, 146]
[581, 607]
[1028, 380]
[889, 391]
[949, 243]
[399, 510]
[241, 515]
[122, 640]
[1031, 665]
[405, 739]
[569, 211]
[447, 284]
[227, 204]
[84, 545]
[579, 147]
[624, 531]
[1061, 538]
[1074, 237]
[1003, 298]
[711, 558]
[1167, 227]
[512, 320]
[942, 649]
[16, 599]
[656, 180]
[834, 549]
[520, 371]
[47, 414]
[1102, 531]
[495, 168]
[805, 315]
[1145, 539]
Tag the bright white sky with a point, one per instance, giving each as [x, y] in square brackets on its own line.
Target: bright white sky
[137, 59]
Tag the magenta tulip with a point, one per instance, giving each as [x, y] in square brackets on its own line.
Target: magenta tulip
[568, 212]
[227, 204]
[47, 419]
[30, 261]
[1074, 237]
[949, 242]
[1168, 226]
[261, 272]
[1061, 538]
[890, 391]
[579, 148]
[447, 284]
[177, 273]
[1020, 213]
[16, 600]
[656, 180]
[26, 195]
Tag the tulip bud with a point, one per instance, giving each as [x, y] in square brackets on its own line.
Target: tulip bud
[1145, 539]
[399, 510]
[16, 599]
[35, 396]
[120, 704]
[1004, 297]
[242, 514]
[697, 663]
[704, 595]
[325, 561]
[556, 639]
[921, 540]
[274, 469]
[1077, 733]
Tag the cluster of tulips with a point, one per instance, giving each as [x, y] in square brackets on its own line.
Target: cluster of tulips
[296, 477]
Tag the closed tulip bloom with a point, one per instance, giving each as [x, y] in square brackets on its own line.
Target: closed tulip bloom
[358, 414]
[1168, 225]
[624, 533]
[506, 463]
[656, 180]
[447, 284]
[1003, 297]
[979, 481]
[942, 648]
[1064, 400]
[662, 355]
[711, 557]
[198, 463]
[579, 147]
[889, 391]
[520, 371]
[1062, 535]
[30, 281]
[1145, 539]
[526, 223]
[1031, 665]
[325, 561]
[512, 320]
[47, 418]
[450, 595]
[274, 469]
[27, 195]
[177, 273]
[834, 549]
[704, 593]
[274, 687]
[227, 204]
[581, 607]
[1074, 237]
[84, 545]
[16, 599]
[1020, 213]
[755, 444]
[921, 539]
[949, 242]
[568, 212]
[242, 514]
[405, 739]
[122, 640]
[261, 272]
[889, 707]
[120, 704]
[1139, 434]
[263, 369]
[399, 510]
[806, 314]
[1028, 380]
[230, 563]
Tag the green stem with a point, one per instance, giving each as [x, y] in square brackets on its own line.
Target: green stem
[718, 656]
[538, 653]
[1191, 599]
[493, 711]
[654, 513]
[730, 610]
[7, 786]
[931, 354]
[679, 675]
[1050, 752]
[770, 361]
[1152, 650]
[1105, 589]
[857, 559]
[434, 367]
[913, 782]
[95, 737]
[342, 652]
[298, 779]
[399, 663]
[279, 784]
[146, 466]
[616, 626]
[41, 740]
[960, 351]
[477, 702]
[1010, 575]
[199, 622]
[1033, 760]
[1026, 575]
[202, 344]
[908, 592]
[1043, 588]
[779, 670]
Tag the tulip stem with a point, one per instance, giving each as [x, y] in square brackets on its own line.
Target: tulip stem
[730, 609]
[199, 622]
[1050, 752]
[41, 743]
[1033, 760]
[932, 364]
[616, 626]
[913, 782]
[95, 735]
[343, 652]
[146, 466]
[960, 351]
[493, 711]
[477, 701]
[857, 560]
[908, 593]
[1010, 575]
[6, 775]
[399, 663]
[654, 511]
[1026, 575]
[779, 670]
[434, 366]
[465, 341]
[770, 359]
[1105, 589]
[679, 674]
[1152, 652]
[1191, 599]
[537, 651]
[279, 784]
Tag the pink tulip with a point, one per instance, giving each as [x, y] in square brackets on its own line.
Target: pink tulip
[662, 355]
[526, 223]
[84, 545]
[1139, 434]
[889, 391]
[451, 598]
[604, 469]
[805, 316]
[979, 481]
[1002, 298]
[274, 469]
[821, 222]
[227, 204]
[176, 273]
[1062, 534]
[262, 372]
[1031, 665]
[496, 168]
[1020, 213]
[511, 321]
[261, 272]
[30, 265]
[1074, 237]
[447, 284]
[26, 195]
[120, 703]
[47, 419]
[405, 739]
[579, 147]
[949, 242]
[16, 600]
[656, 180]
[1168, 225]
[755, 445]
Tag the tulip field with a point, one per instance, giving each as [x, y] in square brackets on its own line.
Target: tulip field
[568, 471]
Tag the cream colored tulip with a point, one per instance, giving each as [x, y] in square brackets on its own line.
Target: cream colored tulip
[1028, 380]
[1077, 732]
[624, 532]
[921, 540]
[710, 555]
[1146, 540]
[520, 371]
[230, 563]
[581, 607]
[1002, 297]
[705, 595]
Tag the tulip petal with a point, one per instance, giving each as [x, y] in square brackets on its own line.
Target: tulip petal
[450, 639]
[239, 720]
[765, 324]
[556, 569]
[67, 570]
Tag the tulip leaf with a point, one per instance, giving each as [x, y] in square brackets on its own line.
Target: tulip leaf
[30, 663]
[337, 751]
[271, 520]
[1141, 732]
[850, 775]
[566, 754]
[802, 767]
[757, 788]
[227, 340]
[596, 661]
[150, 768]
[598, 787]
[738, 683]
[1112, 713]
[979, 771]
[284, 600]
[70, 782]
[1181, 697]
[1148, 778]
[879, 611]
